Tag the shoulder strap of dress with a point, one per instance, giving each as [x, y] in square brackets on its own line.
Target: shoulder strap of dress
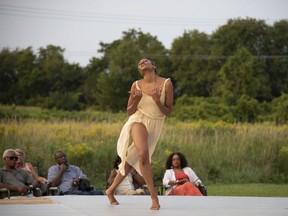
[137, 86]
[165, 83]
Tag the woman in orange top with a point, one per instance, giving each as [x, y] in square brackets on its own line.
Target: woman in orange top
[180, 179]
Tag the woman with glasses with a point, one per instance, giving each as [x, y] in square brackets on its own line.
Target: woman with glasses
[150, 101]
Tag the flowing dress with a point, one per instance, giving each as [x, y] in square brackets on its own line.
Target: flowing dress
[152, 118]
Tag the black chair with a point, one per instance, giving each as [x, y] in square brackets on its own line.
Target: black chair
[4, 193]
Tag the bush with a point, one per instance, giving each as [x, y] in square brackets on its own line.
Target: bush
[65, 101]
[247, 109]
[199, 108]
[280, 108]
[281, 164]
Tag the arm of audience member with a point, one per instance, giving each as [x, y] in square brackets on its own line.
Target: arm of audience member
[182, 181]
[35, 174]
[137, 178]
[41, 179]
[55, 181]
[111, 177]
[192, 176]
[169, 179]
[20, 189]
[76, 181]
[2, 185]
[79, 175]
[28, 178]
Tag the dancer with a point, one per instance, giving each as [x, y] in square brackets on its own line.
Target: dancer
[150, 101]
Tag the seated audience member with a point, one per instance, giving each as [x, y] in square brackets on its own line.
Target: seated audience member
[18, 181]
[179, 178]
[29, 167]
[67, 177]
[127, 186]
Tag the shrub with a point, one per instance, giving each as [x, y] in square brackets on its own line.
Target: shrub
[280, 108]
[200, 108]
[247, 109]
[64, 101]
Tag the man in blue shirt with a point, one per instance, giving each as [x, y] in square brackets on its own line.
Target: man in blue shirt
[67, 177]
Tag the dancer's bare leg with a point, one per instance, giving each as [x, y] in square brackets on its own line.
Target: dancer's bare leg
[118, 179]
[140, 137]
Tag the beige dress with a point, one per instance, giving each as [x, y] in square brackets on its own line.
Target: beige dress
[149, 115]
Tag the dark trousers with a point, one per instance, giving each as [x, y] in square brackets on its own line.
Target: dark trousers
[79, 192]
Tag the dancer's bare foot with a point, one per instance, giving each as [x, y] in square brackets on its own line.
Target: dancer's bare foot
[111, 198]
[155, 205]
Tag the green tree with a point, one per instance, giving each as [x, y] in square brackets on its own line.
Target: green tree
[52, 74]
[50, 64]
[25, 64]
[91, 75]
[8, 76]
[123, 56]
[241, 75]
[249, 33]
[280, 108]
[247, 109]
[277, 61]
[189, 57]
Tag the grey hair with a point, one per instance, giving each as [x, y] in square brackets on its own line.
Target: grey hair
[7, 151]
[20, 152]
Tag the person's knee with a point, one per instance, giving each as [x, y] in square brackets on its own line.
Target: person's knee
[143, 158]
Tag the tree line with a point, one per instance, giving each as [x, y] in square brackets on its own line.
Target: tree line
[237, 73]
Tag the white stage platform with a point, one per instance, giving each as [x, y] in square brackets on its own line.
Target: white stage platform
[139, 206]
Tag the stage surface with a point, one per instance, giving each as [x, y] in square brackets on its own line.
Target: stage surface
[139, 206]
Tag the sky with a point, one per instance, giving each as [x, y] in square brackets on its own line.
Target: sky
[78, 26]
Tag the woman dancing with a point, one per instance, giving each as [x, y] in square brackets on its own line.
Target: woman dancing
[150, 101]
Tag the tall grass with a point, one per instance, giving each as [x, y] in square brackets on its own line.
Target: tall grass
[218, 152]
[88, 145]
[230, 153]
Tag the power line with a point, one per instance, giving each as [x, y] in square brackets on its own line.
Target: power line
[105, 18]
[192, 57]
[217, 57]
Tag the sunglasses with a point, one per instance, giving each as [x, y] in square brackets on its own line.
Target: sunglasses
[14, 158]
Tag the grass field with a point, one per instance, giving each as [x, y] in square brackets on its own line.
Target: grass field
[257, 190]
[231, 159]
